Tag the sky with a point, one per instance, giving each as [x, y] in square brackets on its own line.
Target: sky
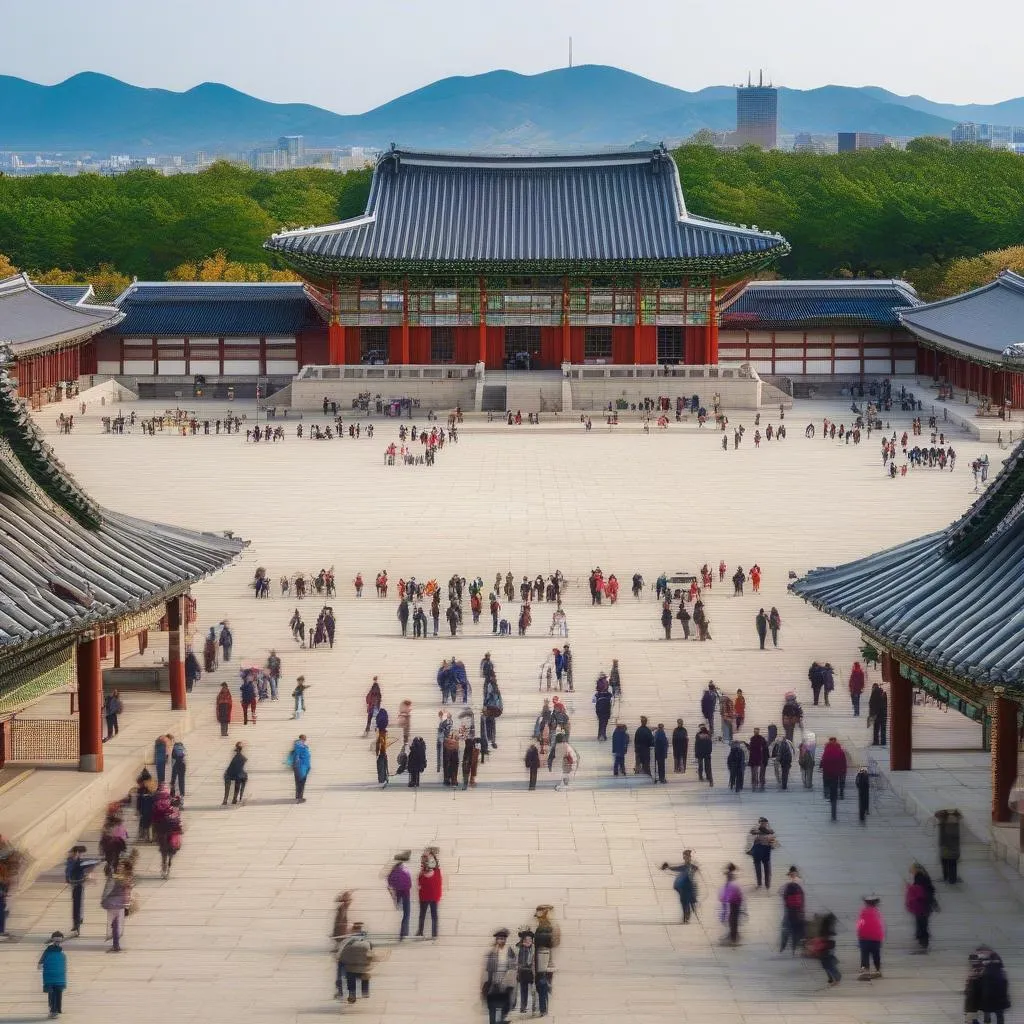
[352, 55]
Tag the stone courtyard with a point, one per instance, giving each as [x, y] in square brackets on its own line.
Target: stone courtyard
[240, 931]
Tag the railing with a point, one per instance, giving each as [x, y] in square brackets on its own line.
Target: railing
[743, 372]
[446, 371]
[44, 740]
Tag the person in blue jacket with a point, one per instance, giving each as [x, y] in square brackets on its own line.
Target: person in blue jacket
[54, 965]
[660, 752]
[620, 747]
[300, 762]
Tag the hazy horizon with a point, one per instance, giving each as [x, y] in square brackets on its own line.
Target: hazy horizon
[348, 58]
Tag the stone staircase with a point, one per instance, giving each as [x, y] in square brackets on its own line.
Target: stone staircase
[494, 398]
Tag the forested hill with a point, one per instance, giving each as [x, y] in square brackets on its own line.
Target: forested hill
[876, 213]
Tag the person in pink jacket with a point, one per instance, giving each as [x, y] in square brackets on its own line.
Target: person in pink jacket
[870, 935]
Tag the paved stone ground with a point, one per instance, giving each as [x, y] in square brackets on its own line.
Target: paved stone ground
[240, 931]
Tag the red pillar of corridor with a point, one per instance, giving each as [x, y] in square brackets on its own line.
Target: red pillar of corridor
[90, 706]
[175, 665]
[901, 715]
[1004, 754]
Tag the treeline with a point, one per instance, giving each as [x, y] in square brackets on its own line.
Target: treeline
[146, 225]
[880, 213]
[875, 213]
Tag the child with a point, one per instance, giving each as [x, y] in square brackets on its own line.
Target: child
[54, 964]
[870, 935]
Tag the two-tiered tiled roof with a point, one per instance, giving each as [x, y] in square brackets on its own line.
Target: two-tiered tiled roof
[215, 309]
[793, 305]
[601, 213]
[953, 600]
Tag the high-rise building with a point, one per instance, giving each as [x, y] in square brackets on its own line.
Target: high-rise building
[757, 114]
[293, 149]
[849, 142]
[995, 136]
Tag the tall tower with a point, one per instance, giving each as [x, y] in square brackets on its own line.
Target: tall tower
[757, 114]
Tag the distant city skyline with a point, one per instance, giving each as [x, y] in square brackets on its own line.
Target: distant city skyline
[350, 57]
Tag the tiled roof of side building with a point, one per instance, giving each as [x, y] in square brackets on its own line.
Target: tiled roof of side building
[984, 322]
[953, 600]
[65, 562]
[74, 294]
[215, 309]
[782, 305]
[31, 319]
[527, 214]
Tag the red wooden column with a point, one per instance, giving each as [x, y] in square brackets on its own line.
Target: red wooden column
[482, 357]
[638, 318]
[1004, 753]
[90, 706]
[175, 665]
[711, 353]
[335, 332]
[117, 650]
[566, 337]
[901, 715]
[403, 356]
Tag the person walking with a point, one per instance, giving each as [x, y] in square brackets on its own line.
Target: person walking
[862, 781]
[54, 965]
[660, 752]
[428, 890]
[620, 747]
[987, 990]
[532, 762]
[603, 710]
[735, 761]
[870, 936]
[417, 761]
[567, 758]
[856, 687]
[762, 842]
[921, 904]
[112, 707]
[178, 766]
[300, 761]
[116, 898]
[526, 966]
[235, 774]
[949, 843]
[399, 883]
[833, 771]
[374, 701]
[499, 978]
[643, 741]
[666, 619]
[161, 751]
[774, 625]
[702, 746]
[273, 673]
[739, 710]
[680, 746]
[299, 696]
[783, 754]
[193, 670]
[167, 831]
[794, 922]
[731, 900]
[761, 624]
[823, 947]
[685, 883]
[757, 759]
[226, 641]
[356, 957]
[224, 706]
[77, 869]
[708, 704]
[878, 711]
[247, 693]
[546, 938]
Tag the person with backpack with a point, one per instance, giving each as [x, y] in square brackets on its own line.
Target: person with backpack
[680, 746]
[116, 899]
[783, 754]
[794, 922]
[226, 641]
[494, 705]
[774, 625]
[300, 762]
[702, 746]
[921, 903]
[685, 883]
[417, 763]
[235, 773]
[374, 699]
[112, 707]
[399, 883]
[949, 843]
[356, 957]
[178, 769]
[224, 706]
[735, 761]
[54, 965]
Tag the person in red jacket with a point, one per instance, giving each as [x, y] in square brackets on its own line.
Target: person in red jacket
[757, 759]
[856, 687]
[833, 771]
[428, 885]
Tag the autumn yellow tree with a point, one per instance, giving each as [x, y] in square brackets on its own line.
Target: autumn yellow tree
[971, 272]
[7, 268]
[219, 268]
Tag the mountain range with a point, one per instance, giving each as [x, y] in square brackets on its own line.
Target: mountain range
[569, 108]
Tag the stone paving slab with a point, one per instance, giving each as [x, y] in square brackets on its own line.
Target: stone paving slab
[242, 924]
